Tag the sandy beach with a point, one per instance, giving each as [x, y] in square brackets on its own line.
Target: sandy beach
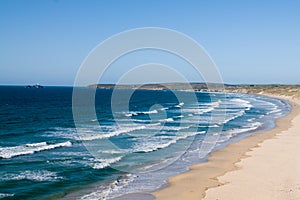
[265, 165]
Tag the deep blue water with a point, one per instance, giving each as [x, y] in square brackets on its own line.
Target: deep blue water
[44, 156]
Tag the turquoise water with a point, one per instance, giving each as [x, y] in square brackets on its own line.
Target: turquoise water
[44, 156]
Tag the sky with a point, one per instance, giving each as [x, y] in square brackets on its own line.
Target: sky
[251, 42]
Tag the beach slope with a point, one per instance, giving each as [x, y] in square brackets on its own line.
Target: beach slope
[271, 170]
[262, 166]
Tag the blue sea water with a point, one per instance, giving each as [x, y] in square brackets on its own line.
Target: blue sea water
[43, 155]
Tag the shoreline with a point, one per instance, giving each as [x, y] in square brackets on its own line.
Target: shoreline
[202, 177]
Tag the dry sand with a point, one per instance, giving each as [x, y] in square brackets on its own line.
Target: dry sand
[262, 166]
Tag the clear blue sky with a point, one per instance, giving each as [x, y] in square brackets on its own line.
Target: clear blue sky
[45, 41]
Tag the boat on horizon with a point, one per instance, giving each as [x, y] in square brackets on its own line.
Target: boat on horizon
[34, 86]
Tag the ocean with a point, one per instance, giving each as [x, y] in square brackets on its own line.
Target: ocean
[45, 155]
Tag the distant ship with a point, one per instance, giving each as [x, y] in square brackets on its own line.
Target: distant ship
[34, 86]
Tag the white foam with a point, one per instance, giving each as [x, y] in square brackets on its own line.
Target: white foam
[274, 111]
[36, 144]
[102, 135]
[210, 126]
[261, 116]
[216, 103]
[255, 124]
[103, 163]
[264, 103]
[251, 119]
[111, 151]
[179, 105]
[200, 110]
[241, 103]
[130, 114]
[39, 175]
[150, 112]
[162, 142]
[105, 191]
[3, 195]
[232, 117]
[237, 131]
[9, 152]
[141, 113]
[211, 104]
[160, 163]
[164, 108]
[67, 133]
[174, 128]
[206, 110]
[167, 120]
[168, 128]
